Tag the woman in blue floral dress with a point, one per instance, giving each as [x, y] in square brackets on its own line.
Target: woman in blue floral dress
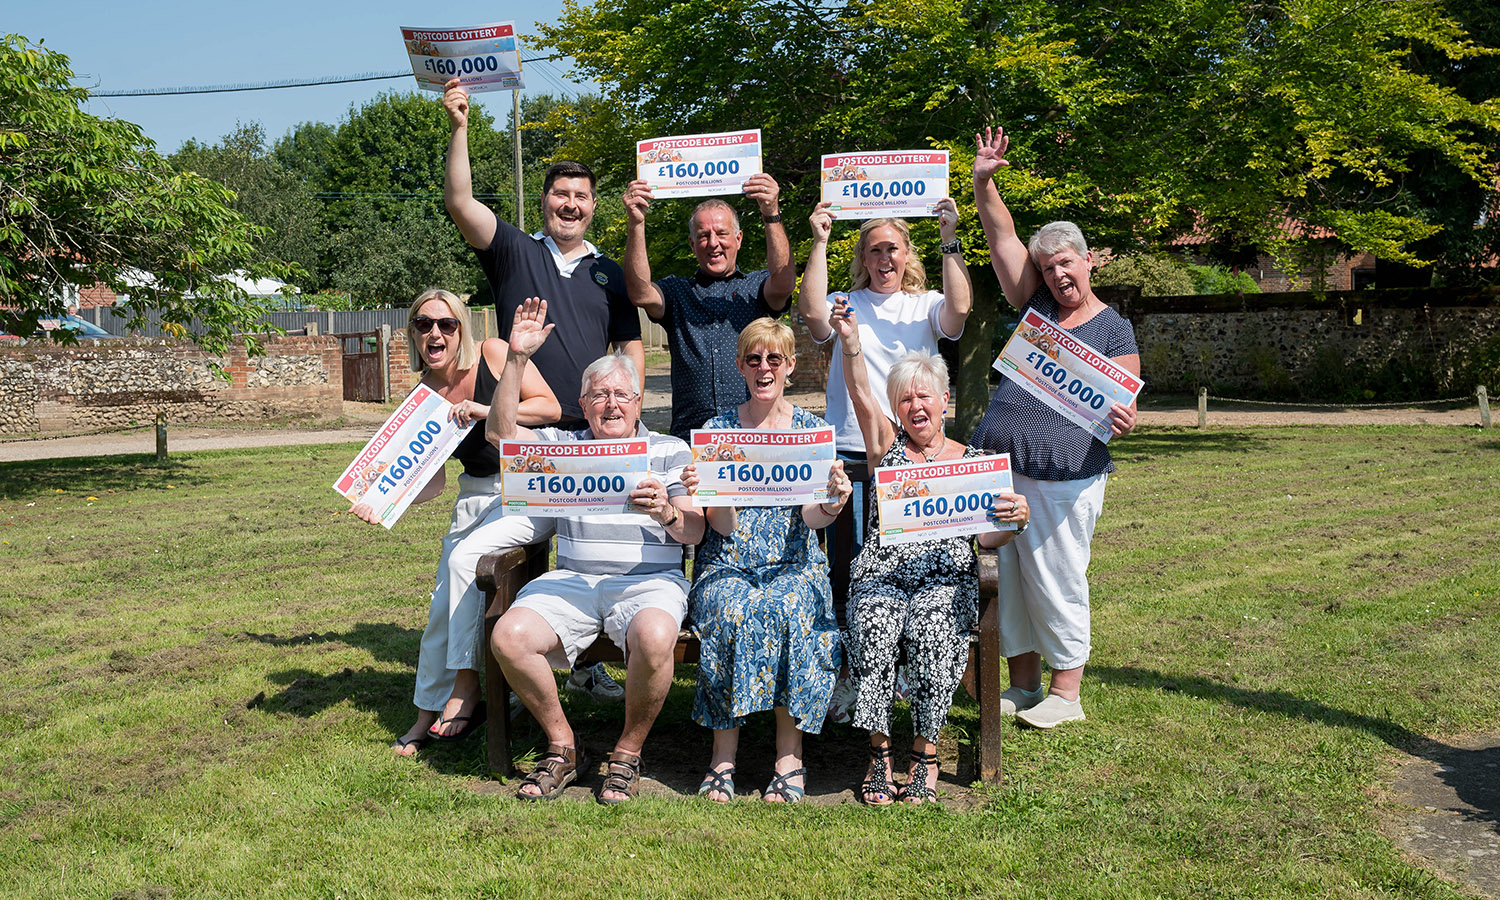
[761, 602]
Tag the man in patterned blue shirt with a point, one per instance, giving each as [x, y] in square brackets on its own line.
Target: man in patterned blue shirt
[704, 314]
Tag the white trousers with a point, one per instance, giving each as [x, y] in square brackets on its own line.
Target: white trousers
[453, 637]
[1044, 588]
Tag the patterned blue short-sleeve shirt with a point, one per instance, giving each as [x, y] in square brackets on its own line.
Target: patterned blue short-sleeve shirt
[1041, 443]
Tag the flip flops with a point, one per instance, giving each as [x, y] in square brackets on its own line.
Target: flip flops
[471, 722]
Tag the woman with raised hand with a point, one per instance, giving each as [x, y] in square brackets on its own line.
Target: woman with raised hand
[1060, 467]
[464, 373]
[921, 598]
[761, 602]
[897, 313]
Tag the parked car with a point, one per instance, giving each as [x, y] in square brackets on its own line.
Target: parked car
[81, 328]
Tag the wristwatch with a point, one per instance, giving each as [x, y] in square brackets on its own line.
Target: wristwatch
[771, 220]
[953, 246]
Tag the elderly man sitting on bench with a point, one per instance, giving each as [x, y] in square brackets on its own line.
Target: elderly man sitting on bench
[620, 575]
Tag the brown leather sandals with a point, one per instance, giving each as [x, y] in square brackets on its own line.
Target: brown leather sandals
[554, 772]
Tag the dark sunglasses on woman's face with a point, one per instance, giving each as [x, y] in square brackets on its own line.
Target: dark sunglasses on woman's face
[423, 324]
[772, 360]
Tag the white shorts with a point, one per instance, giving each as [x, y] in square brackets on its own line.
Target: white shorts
[1044, 588]
[579, 607]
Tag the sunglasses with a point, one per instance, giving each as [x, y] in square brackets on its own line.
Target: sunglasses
[772, 360]
[423, 324]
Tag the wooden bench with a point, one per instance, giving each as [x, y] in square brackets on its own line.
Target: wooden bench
[502, 574]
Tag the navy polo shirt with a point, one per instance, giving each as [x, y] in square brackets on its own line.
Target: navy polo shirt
[703, 318]
[590, 308]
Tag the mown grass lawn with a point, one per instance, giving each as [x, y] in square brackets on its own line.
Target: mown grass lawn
[204, 666]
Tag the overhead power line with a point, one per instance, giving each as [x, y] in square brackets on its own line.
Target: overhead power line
[272, 85]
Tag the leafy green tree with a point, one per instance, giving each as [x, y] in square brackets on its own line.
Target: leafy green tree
[1139, 121]
[265, 192]
[86, 200]
[378, 176]
[1157, 275]
[1221, 280]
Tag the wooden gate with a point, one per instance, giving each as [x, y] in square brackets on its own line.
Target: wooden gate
[362, 376]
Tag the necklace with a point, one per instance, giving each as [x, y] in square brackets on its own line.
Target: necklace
[926, 457]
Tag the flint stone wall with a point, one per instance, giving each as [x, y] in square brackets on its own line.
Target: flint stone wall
[47, 389]
[1261, 343]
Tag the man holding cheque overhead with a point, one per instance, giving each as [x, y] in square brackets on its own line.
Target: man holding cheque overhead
[618, 574]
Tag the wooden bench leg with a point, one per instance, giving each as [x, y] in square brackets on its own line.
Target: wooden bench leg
[501, 576]
[991, 722]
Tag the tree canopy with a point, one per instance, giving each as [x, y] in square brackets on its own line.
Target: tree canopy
[86, 200]
[1258, 125]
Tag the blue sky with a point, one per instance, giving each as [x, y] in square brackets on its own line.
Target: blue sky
[170, 43]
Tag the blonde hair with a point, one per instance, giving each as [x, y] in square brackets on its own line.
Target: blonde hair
[913, 278]
[770, 334]
[468, 351]
[917, 367]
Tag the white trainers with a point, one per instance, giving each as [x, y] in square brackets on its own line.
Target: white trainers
[1052, 712]
[595, 682]
[1013, 700]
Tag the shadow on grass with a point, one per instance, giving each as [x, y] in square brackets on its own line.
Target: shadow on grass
[1469, 772]
[676, 751]
[95, 475]
[1153, 442]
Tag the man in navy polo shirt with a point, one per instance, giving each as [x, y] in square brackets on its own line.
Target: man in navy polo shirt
[585, 294]
[584, 289]
[703, 315]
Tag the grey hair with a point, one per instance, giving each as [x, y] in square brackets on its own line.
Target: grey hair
[1054, 237]
[607, 365]
[916, 366]
[712, 203]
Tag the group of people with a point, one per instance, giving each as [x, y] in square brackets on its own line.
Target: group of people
[760, 600]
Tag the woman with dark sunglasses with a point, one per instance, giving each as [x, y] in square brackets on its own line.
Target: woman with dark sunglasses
[465, 374]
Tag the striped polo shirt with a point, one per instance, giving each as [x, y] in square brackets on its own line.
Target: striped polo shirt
[624, 543]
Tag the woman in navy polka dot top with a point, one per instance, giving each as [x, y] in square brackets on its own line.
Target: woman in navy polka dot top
[1058, 466]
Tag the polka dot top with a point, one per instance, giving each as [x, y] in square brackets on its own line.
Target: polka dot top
[1042, 444]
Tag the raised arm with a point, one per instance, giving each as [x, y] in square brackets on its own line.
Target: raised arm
[958, 292]
[475, 221]
[878, 431]
[527, 334]
[638, 284]
[812, 299]
[1019, 279]
[766, 193]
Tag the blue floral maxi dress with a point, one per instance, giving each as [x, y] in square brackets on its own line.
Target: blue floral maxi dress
[923, 598]
[762, 607]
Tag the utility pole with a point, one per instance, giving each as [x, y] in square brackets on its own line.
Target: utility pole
[515, 127]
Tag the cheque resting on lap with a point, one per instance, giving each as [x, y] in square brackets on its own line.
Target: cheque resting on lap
[761, 602]
[439, 332]
[1060, 467]
[920, 597]
[619, 575]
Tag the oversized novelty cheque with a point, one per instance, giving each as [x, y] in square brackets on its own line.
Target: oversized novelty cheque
[1066, 374]
[698, 165]
[931, 501]
[905, 183]
[553, 479]
[482, 57]
[402, 457]
[762, 468]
